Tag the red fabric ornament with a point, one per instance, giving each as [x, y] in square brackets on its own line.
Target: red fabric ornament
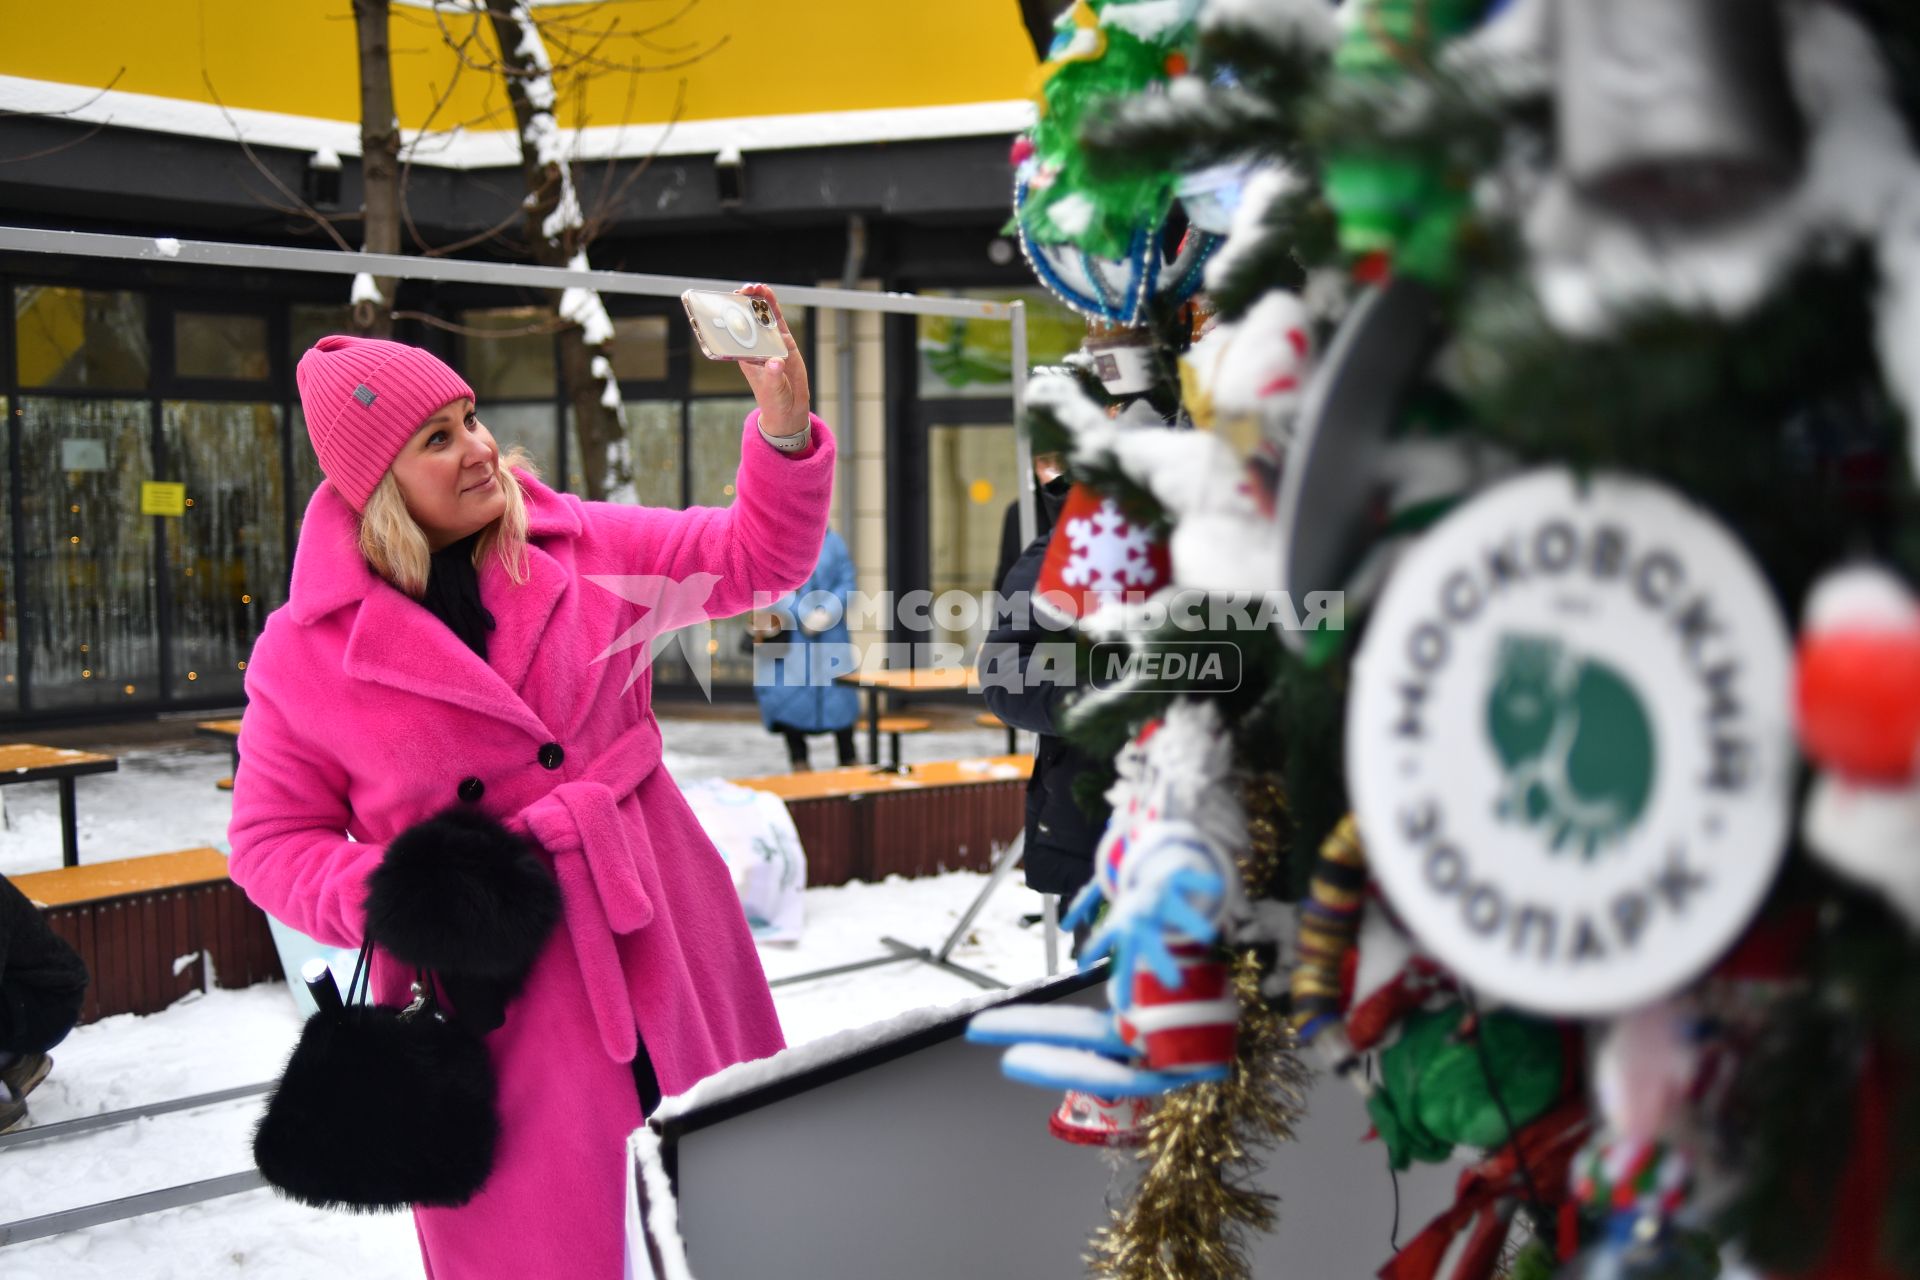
[1857, 679]
[1858, 702]
[1097, 555]
[1487, 1194]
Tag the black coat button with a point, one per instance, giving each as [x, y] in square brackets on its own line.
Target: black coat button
[551, 756]
[471, 789]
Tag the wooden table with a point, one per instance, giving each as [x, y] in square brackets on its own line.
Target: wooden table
[29, 762]
[879, 684]
[229, 731]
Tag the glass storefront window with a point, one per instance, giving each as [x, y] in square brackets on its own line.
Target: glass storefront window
[80, 338]
[9, 624]
[713, 449]
[307, 475]
[516, 362]
[653, 437]
[212, 345]
[974, 358]
[719, 377]
[531, 427]
[91, 579]
[713, 444]
[308, 323]
[639, 349]
[227, 563]
[970, 480]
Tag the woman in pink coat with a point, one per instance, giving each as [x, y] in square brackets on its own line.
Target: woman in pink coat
[446, 685]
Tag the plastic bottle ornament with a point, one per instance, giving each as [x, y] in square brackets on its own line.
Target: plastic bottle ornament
[1857, 677]
[1088, 1120]
[1185, 1029]
[1098, 555]
[1675, 110]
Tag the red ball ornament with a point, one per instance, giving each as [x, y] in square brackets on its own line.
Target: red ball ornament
[1857, 698]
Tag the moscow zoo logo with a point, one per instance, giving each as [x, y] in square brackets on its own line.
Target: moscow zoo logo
[1569, 743]
[1574, 744]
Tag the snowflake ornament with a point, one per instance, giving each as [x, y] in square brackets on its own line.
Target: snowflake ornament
[1110, 553]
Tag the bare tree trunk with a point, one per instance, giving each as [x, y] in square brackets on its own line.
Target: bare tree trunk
[555, 228]
[379, 165]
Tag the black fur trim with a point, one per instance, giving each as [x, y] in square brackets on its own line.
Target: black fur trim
[375, 1114]
[460, 893]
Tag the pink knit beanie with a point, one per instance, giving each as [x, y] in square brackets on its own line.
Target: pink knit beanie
[363, 399]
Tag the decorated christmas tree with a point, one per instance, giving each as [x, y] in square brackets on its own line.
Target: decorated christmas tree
[1556, 372]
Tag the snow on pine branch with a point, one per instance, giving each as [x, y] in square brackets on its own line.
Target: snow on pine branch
[1592, 268]
[1278, 22]
[1249, 230]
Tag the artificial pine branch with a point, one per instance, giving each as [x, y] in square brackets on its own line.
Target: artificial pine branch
[1192, 125]
[1296, 232]
[1776, 420]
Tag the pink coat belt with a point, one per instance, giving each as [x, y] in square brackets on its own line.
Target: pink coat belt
[597, 853]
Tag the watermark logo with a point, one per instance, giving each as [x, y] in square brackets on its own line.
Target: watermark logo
[1179, 666]
[676, 612]
[812, 640]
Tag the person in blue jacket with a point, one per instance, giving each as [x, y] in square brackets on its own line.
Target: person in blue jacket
[804, 645]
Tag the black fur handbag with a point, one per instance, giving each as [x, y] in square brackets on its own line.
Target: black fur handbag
[380, 1108]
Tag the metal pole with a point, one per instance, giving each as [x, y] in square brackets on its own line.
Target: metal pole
[1023, 447]
[92, 1215]
[1005, 864]
[212, 253]
[849, 436]
[108, 1119]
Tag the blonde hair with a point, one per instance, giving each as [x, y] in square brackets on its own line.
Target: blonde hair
[396, 547]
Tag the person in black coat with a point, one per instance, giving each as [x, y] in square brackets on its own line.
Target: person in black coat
[41, 983]
[1060, 835]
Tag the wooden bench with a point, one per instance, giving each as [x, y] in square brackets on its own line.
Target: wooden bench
[858, 823]
[894, 727]
[229, 732]
[30, 762]
[148, 928]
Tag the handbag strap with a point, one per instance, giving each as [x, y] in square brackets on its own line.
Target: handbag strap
[426, 997]
[362, 979]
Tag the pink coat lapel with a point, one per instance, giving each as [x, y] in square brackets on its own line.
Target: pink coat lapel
[396, 642]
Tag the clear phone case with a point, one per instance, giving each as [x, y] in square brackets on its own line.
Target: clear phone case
[733, 326]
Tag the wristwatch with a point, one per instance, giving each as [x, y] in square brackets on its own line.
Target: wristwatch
[794, 443]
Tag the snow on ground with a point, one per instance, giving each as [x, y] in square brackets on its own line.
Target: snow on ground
[164, 798]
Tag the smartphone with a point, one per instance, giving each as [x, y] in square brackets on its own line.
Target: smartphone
[733, 326]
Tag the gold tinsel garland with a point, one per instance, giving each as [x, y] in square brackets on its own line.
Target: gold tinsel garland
[1190, 1216]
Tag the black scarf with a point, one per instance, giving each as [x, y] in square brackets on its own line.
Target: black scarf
[453, 594]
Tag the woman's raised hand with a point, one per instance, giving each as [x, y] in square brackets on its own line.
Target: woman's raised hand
[779, 386]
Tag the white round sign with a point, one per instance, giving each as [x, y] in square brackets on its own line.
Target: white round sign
[1569, 741]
